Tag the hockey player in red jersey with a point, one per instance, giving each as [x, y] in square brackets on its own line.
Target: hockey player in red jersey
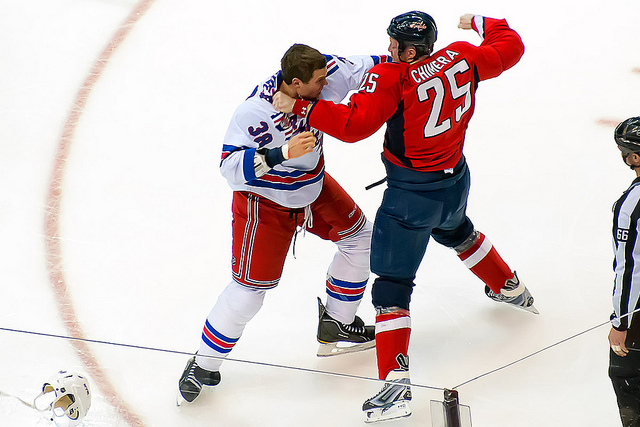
[427, 99]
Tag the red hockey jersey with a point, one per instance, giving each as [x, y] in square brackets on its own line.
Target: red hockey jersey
[426, 105]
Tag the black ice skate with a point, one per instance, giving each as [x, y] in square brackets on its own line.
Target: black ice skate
[515, 293]
[192, 380]
[390, 403]
[338, 338]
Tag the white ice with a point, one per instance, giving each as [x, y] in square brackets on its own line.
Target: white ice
[144, 221]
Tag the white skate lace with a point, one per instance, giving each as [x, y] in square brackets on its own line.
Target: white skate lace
[354, 329]
[192, 375]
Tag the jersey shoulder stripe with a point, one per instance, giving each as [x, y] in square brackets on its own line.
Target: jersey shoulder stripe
[332, 66]
[379, 59]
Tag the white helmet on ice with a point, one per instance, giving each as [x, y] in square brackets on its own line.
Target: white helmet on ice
[68, 398]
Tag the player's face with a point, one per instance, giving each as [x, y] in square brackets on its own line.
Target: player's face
[393, 49]
[313, 88]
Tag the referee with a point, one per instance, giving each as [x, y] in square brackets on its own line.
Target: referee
[624, 337]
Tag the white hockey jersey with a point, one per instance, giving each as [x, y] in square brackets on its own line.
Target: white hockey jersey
[255, 124]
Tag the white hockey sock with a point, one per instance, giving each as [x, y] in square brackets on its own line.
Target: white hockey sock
[348, 274]
[235, 307]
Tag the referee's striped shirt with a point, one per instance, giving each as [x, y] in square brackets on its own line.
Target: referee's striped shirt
[626, 263]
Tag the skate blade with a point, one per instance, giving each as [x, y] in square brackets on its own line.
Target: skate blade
[397, 410]
[343, 347]
[530, 309]
[180, 400]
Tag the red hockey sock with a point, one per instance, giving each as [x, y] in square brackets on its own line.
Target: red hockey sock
[485, 262]
[393, 330]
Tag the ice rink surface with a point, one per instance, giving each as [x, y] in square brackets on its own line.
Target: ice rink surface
[115, 221]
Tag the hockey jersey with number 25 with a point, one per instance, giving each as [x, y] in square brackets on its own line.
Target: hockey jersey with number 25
[428, 104]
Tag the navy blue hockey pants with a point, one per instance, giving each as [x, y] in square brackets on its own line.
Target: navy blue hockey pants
[416, 205]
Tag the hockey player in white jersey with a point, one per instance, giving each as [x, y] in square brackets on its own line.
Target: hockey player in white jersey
[274, 163]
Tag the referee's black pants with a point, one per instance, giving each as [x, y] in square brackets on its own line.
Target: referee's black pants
[625, 377]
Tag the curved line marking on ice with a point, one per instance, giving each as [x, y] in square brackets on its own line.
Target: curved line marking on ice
[52, 218]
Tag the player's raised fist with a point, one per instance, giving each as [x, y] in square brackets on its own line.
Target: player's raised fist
[465, 21]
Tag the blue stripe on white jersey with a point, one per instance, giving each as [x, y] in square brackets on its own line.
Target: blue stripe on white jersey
[283, 174]
[332, 67]
[261, 182]
[378, 59]
[248, 167]
[228, 149]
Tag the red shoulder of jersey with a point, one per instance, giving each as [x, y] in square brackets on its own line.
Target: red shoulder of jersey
[368, 109]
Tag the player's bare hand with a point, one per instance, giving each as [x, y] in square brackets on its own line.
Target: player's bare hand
[616, 341]
[283, 102]
[301, 144]
[465, 21]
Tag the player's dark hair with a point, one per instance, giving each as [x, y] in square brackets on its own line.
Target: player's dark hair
[421, 50]
[300, 61]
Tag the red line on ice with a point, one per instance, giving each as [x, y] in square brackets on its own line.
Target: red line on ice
[52, 218]
[608, 122]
